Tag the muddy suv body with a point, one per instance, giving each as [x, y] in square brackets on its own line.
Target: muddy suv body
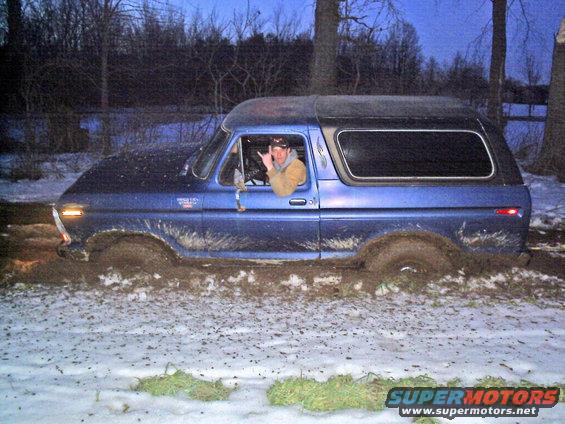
[408, 181]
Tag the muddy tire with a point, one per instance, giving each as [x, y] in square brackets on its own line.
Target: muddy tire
[409, 257]
[134, 252]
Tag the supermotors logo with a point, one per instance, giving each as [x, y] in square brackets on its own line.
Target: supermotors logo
[451, 402]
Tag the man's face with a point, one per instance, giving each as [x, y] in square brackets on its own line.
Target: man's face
[280, 154]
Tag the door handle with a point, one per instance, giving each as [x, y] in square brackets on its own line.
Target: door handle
[297, 202]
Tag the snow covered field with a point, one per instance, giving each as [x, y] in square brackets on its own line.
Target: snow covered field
[71, 355]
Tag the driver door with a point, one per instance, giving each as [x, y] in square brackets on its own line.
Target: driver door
[261, 225]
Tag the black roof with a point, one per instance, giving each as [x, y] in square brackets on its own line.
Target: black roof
[312, 109]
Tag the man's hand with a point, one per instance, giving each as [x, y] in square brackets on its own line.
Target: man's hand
[267, 159]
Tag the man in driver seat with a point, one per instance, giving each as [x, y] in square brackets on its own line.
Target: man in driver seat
[286, 172]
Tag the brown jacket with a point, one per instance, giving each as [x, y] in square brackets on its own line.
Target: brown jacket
[285, 182]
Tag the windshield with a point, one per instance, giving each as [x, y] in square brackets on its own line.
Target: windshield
[209, 154]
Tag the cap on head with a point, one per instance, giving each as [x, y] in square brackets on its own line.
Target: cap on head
[279, 142]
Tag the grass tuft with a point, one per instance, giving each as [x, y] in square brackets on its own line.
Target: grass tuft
[181, 382]
[425, 420]
[369, 392]
[341, 392]
[490, 381]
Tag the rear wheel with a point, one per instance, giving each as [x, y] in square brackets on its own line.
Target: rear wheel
[134, 252]
[412, 257]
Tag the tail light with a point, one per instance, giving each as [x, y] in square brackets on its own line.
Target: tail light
[508, 211]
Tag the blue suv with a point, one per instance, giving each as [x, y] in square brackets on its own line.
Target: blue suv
[394, 183]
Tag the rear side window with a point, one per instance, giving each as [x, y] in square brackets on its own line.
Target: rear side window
[420, 154]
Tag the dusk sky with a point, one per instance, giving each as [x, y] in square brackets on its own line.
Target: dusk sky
[444, 26]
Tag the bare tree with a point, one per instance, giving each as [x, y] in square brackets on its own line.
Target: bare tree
[431, 77]
[215, 57]
[497, 62]
[532, 75]
[105, 17]
[329, 15]
[107, 14]
[285, 27]
[403, 57]
[552, 156]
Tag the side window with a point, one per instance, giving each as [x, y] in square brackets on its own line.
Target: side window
[244, 160]
[415, 154]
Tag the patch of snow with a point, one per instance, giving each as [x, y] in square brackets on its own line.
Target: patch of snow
[327, 280]
[211, 284]
[137, 295]
[242, 276]
[492, 281]
[294, 282]
[489, 282]
[385, 288]
[548, 200]
[112, 278]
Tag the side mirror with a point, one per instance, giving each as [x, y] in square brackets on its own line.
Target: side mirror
[238, 180]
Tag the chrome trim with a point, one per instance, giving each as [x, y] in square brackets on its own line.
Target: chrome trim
[321, 153]
[60, 226]
[355, 177]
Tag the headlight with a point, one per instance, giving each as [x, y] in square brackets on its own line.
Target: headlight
[72, 212]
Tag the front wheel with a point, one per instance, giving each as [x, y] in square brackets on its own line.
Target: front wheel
[134, 251]
[409, 257]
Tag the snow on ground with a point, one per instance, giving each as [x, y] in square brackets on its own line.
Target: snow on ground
[61, 171]
[69, 355]
[520, 134]
[548, 200]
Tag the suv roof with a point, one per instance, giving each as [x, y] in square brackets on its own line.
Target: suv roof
[312, 109]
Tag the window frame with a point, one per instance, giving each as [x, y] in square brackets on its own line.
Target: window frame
[361, 179]
[217, 153]
[239, 137]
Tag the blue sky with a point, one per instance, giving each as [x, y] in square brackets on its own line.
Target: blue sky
[444, 26]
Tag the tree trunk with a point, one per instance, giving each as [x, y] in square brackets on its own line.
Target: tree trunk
[323, 70]
[13, 70]
[552, 156]
[104, 103]
[64, 132]
[497, 61]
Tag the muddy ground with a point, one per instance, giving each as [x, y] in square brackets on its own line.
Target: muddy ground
[28, 241]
